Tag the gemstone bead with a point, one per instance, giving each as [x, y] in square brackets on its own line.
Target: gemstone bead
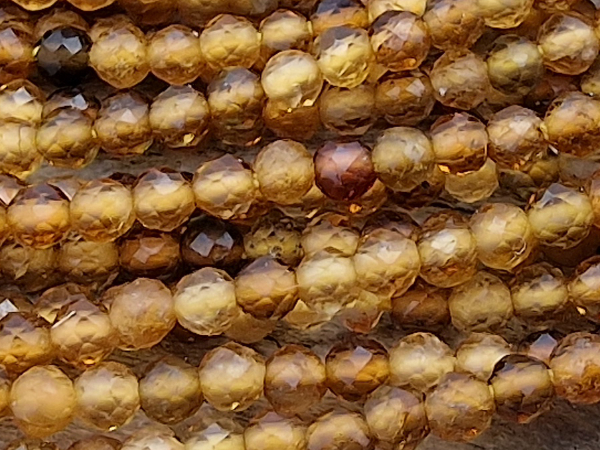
[90, 5]
[348, 112]
[16, 48]
[337, 431]
[479, 353]
[270, 431]
[35, 5]
[87, 262]
[538, 291]
[453, 24]
[24, 342]
[221, 434]
[149, 12]
[284, 30]
[334, 13]
[150, 254]
[299, 124]
[473, 186]
[4, 392]
[210, 242]
[584, 291]
[404, 99]
[540, 345]
[152, 438]
[505, 14]
[174, 54]
[21, 100]
[30, 268]
[376, 8]
[53, 300]
[62, 54]
[96, 442]
[422, 307]
[330, 233]
[19, 155]
[274, 235]
[247, 329]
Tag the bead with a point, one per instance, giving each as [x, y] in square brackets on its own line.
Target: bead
[422, 307]
[340, 66]
[592, 189]
[400, 41]
[205, 302]
[460, 80]
[274, 235]
[453, 24]
[330, 233]
[334, 13]
[555, 5]
[150, 12]
[97, 442]
[90, 5]
[42, 401]
[210, 242]
[404, 99]
[19, 155]
[179, 117]
[538, 291]
[141, 311]
[302, 6]
[32, 444]
[505, 14]
[4, 392]
[568, 43]
[459, 142]
[284, 30]
[4, 230]
[225, 188]
[540, 345]
[62, 54]
[162, 200]
[152, 439]
[21, 100]
[503, 234]
[247, 329]
[562, 217]
[24, 342]
[294, 380]
[16, 48]
[291, 123]
[270, 431]
[474, 186]
[337, 431]
[70, 99]
[50, 303]
[221, 434]
[478, 354]
[150, 254]
[231, 377]
[285, 171]
[348, 112]
[38, 216]
[119, 53]
[107, 396]
[170, 390]
[459, 392]
[35, 5]
[376, 8]
[174, 54]
[86, 262]
[30, 268]
[583, 288]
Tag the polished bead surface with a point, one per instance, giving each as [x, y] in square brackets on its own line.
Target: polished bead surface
[284, 30]
[271, 431]
[330, 233]
[505, 14]
[150, 254]
[219, 434]
[538, 291]
[404, 99]
[152, 438]
[16, 50]
[277, 236]
[479, 353]
[19, 154]
[473, 186]
[453, 24]
[421, 307]
[174, 54]
[96, 442]
[584, 290]
[348, 112]
[337, 431]
[24, 342]
[334, 13]
[376, 8]
[300, 123]
[85, 262]
[62, 54]
[21, 100]
[211, 242]
[53, 300]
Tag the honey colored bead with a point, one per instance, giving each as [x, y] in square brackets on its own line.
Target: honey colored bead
[568, 43]
[505, 14]
[271, 431]
[97, 442]
[285, 171]
[473, 186]
[592, 189]
[348, 112]
[584, 289]
[231, 377]
[35, 5]
[404, 99]
[150, 254]
[538, 291]
[562, 217]
[162, 200]
[53, 300]
[503, 234]
[179, 117]
[119, 52]
[277, 236]
[459, 142]
[339, 430]
[590, 81]
[24, 342]
[284, 30]
[30, 268]
[460, 80]
[376, 8]
[149, 12]
[299, 124]
[421, 307]
[38, 216]
[330, 235]
[19, 155]
[247, 329]
[478, 354]
[460, 408]
[174, 54]
[170, 390]
[555, 5]
[4, 392]
[21, 100]
[294, 380]
[142, 312]
[4, 230]
[335, 13]
[205, 302]
[540, 345]
[152, 438]
[210, 242]
[123, 124]
[31, 444]
[344, 55]
[86, 262]
[91, 5]
[221, 434]
[42, 401]
[453, 24]
[16, 47]
[69, 99]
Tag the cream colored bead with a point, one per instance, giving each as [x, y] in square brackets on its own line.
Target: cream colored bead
[479, 353]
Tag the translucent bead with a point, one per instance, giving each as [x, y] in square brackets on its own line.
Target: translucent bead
[19, 155]
[31, 444]
[91, 5]
[348, 112]
[460, 408]
[70, 99]
[150, 12]
[294, 380]
[481, 304]
[53, 300]
[141, 311]
[174, 54]
[503, 234]
[590, 81]
[221, 434]
[568, 43]
[24, 342]
[460, 80]
[205, 302]
[479, 353]
[592, 189]
[35, 5]
[284, 30]
[210, 242]
[583, 288]
[30, 268]
[299, 124]
[505, 14]
[247, 329]
[150, 254]
[16, 46]
[421, 307]
[231, 377]
[277, 236]
[42, 401]
[555, 5]
[330, 233]
[270, 431]
[96, 442]
[334, 13]
[404, 99]
[376, 8]
[540, 345]
[119, 52]
[302, 6]
[4, 392]
[453, 24]
[538, 291]
[88, 262]
[337, 431]
[21, 100]
[473, 186]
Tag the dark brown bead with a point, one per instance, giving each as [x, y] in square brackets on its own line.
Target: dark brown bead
[63, 55]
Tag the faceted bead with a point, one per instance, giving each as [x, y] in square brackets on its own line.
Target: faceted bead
[162, 200]
[459, 142]
[35, 5]
[404, 99]
[302, 6]
[348, 112]
[421, 307]
[123, 124]
[540, 345]
[32, 444]
[150, 12]
[344, 55]
[174, 54]
[170, 390]
[152, 439]
[568, 43]
[220, 434]
[150, 254]
[292, 79]
[284, 30]
[481, 304]
[16, 49]
[592, 189]
[337, 431]
[473, 186]
[42, 401]
[503, 234]
[555, 5]
[231, 377]
[205, 302]
[334, 13]
[107, 396]
[19, 155]
[4, 392]
[90, 5]
[460, 408]
[584, 288]
[179, 117]
[86, 262]
[30, 268]
[376, 8]
[21, 100]
[225, 188]
[62, 54]
[38, 216]
[538, 291]
[453, 24]
[247, 329]
[4, 230]
[330, 233]
[119, 53]
[270, 431]
[478, 354]
[97, 442]
[294, 380]
[299, 124]
[590, 81]
[24, 342]
[505, 14]
[460, 80]
[210, 242]
[102, 210]
[53, 300]
[235, 98]
[141, 311]
[562, 217]
[274, 235]
[70, 99]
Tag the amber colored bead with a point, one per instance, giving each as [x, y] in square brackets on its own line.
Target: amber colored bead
[32, 444]
[142, 312]
[583, 288]
[150, 254]
[174, 54]
[453, 24]
[590, 81]
[149, 12]
[348, 112]
[30, 268]
[473, 186]
[4, 392]
[421, 307]
[505, 14]
[38, 216]
[295, 380]
[299, 123]
[478, 354]
[35, 5]
[555, 5]
[16, 46]
[270, 431]
[274, 235]
[330, 233]
[540, 345]
[538, 291]
[87, 262]
[503, 234]
[592, 189]
[284, 30]
[50, 303]
[376, 8]
[90, 5]
[162, 200]
[70, 99]
[42, 401]
[179, 117]
[460, 408]
[302, 6]
[152, 438]
[217, 434]
[334, 13]
[247, 329]
[337, 431]
[107, 396]
[404, 99]
[460, 80]
[21, 100]
[4, 230]
[119, 52]
[96, 442]
[24, 342]
[19, 155]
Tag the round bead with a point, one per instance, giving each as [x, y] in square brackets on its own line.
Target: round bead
[327, 234]
[333, 13]
[474, 186]
[247, 329]
[538, 291]
[270, 431]
[453, 24]
[53, 300]
[19, 155]
[86, 262]
[24, 342]
[348, 112]
[422, 307]
[337, 431]
[291, 123]
[174, 54]
[42, 401]
[210, 242]
[90, 5]
[97, 442]
[583, 288]
[150, 254]
[505, 14]
[70, 99]
[376, 8]
[479, 353]
[404, 99]
[62, 54]
[30, 268]
[152, 439]
[16, 49]
[277, 236]
[219, 434]
[21, 101]
[540, 345]
[284, 30]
